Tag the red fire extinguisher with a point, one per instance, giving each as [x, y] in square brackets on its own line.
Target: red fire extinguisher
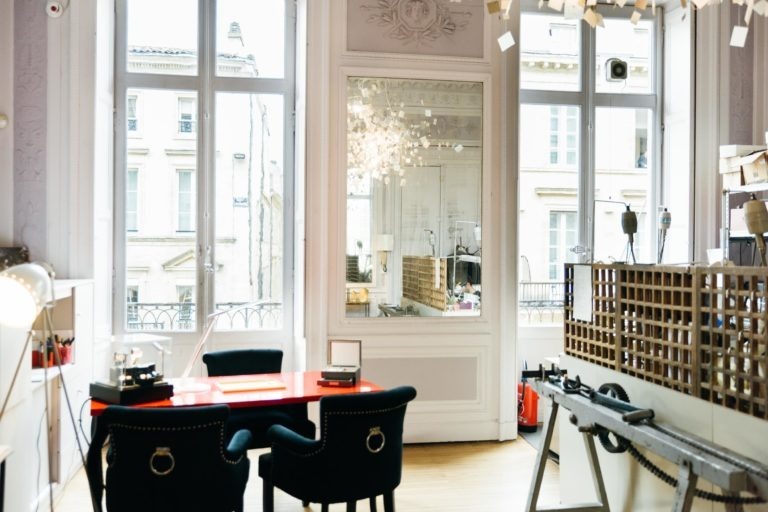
[527, 407]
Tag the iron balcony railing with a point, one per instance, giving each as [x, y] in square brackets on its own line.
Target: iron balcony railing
[540, 297]
[180, 316]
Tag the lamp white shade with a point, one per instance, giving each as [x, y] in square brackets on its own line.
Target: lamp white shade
[478, 234]
[24, 291]
[385, 242]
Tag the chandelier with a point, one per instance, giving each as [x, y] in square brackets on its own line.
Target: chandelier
[587, 10]
[382, 141]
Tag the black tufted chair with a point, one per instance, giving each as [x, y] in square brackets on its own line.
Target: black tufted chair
[258, 419]
[169, 459]
[359, 454]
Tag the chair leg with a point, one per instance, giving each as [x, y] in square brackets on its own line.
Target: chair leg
[389, 501]
[373, 503]
[304, 503]
[351, 506]
[268, 498]
[323, 507]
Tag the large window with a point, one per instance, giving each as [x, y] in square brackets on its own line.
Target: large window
[205, 95]
[590, 147]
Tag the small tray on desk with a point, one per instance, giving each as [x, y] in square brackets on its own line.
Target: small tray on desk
[234, 386]
[126, 395]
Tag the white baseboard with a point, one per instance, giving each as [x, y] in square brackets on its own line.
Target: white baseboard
[451, 432]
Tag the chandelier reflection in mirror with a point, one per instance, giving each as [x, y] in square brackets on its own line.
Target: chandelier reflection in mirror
[384, 133]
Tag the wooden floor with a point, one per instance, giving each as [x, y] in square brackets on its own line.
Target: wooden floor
[481, 476]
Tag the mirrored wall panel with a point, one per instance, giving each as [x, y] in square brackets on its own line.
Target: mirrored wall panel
[414, 198]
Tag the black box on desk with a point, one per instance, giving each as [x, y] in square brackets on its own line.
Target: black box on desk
[344, 359]
[126, 395]
[341, 373]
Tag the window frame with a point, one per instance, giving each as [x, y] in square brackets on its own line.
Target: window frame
[589, 100]
[205, 84]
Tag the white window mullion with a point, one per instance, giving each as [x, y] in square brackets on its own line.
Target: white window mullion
[206, 259]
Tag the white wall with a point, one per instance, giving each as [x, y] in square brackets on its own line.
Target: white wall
[6, 134]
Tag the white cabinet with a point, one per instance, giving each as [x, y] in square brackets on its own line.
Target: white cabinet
[24, 427]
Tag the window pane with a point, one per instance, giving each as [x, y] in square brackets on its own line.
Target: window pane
[162, 37]
[186, 200]
[159, 257]
[133, 123]
[187, 115]
[132, 200]
[621, 143]
[549, 53]
[632, 44]
[548, 201]
[250, 38]
[249, 210]
[541, 147]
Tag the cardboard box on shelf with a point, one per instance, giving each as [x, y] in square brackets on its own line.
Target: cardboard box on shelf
[732, 179]
[731, 150]
[754, 168]
[730, 164]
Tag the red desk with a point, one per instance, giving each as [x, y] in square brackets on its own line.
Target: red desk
[299, 387]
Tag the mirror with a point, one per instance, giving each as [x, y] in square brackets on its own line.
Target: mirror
[414, 197]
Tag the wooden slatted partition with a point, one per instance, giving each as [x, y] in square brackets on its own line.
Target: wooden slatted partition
[697, 330]
[732, 347]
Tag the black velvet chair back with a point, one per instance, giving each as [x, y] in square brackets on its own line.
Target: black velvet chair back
[243, 362]
[171, 459]
[258, 419]
[359, 454]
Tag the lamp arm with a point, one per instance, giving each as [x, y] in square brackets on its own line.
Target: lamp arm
[210, 323]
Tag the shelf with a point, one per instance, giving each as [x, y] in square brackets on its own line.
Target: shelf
[752, 187]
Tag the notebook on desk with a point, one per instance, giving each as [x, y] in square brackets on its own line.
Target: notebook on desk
[234, 386]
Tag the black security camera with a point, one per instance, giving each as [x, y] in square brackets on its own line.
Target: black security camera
[616, 70]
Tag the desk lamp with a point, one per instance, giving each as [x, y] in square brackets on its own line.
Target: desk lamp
[629, 227]
[26, 291]
[756, 217]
